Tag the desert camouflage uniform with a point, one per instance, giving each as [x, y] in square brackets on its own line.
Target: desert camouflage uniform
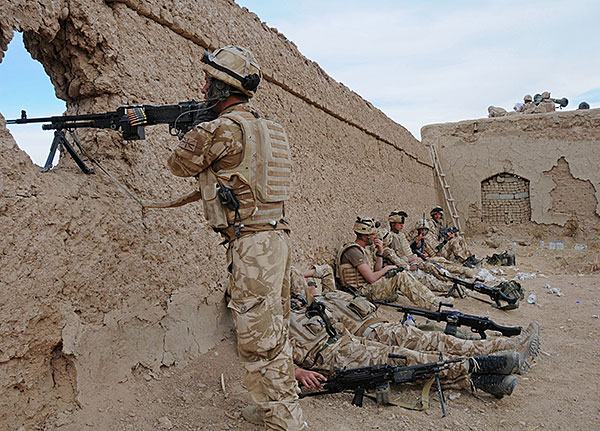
[360, 318]
[527, 108]
[259, 266]
[454, 249]
[431, 282]
[325, 274]
[431, 267]
[399, 243]
[314, 349]
[384, 288]
[544, 107]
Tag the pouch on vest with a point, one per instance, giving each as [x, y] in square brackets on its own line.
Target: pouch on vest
[214, 211]
[361, 306]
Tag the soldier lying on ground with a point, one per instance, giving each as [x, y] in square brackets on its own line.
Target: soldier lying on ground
[317, 346]
[355, 268]
[359, 317]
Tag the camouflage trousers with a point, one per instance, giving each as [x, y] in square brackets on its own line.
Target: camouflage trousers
[410, 337]
[456, 249]
[402, 283]
[354, 352]
[325, 274]
[431, 267]
[260, 304]
[431, 282]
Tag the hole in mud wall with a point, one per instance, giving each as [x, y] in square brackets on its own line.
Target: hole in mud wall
[505, 199]
[26, 86]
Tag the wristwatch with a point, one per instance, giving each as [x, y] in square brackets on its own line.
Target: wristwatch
[379, 254]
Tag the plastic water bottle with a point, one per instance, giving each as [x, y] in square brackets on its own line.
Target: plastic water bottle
[514, 246]
[410, 321]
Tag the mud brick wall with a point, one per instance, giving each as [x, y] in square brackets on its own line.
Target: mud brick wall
[91, 285]
[557, 152]
[505, 199]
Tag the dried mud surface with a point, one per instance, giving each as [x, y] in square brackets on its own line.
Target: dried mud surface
[560, 392]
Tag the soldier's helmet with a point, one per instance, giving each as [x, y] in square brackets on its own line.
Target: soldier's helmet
[584, 105]
[421, 224]
[528, 98]
[365, 225]
[235, 66]
[546, 95]
[397, 217]
[384, 235]
[437, 210]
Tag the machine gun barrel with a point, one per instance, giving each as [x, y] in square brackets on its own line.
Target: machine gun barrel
[130, 120]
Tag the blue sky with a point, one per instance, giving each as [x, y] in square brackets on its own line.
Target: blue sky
[420, 62]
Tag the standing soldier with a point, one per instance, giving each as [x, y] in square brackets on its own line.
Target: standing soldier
[244, 201]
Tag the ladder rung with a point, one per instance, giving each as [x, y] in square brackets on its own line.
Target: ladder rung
[447, 186]
[451, 200]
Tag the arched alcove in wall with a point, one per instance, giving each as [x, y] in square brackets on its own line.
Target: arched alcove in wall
[505, 199]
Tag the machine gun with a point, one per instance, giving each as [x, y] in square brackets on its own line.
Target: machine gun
[131, 120]
[379, 377]
[455, 319]
[444, 237]
[493, 292]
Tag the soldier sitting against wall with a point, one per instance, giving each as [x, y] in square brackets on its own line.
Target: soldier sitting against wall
[356, 269]
[400, 244]
[452, 246]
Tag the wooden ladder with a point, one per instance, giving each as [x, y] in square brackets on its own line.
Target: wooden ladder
[445, 188]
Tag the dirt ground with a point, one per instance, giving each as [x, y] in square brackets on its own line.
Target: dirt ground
[560, 392]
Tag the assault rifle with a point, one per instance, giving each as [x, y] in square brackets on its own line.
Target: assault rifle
[379, 377]
[130, 119]
[455, 319]
[444, 231]
[493, 292]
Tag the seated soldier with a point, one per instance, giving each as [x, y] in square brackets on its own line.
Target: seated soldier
[399, 243]
[359, 317]
[452, 246]
[355, 269]
[426, 246]
[408, 263]
[317, 345]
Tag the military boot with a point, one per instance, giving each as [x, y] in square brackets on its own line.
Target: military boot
[497, 385]
[507, 259]
[254, 415]
[529, 347]
[495, 364]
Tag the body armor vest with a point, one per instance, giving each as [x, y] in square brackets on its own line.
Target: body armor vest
[355, 313]
[400, 244]
[346, 273]
[261, 182]
[308, 336]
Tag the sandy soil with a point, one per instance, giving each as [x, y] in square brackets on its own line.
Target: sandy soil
[560, 392]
